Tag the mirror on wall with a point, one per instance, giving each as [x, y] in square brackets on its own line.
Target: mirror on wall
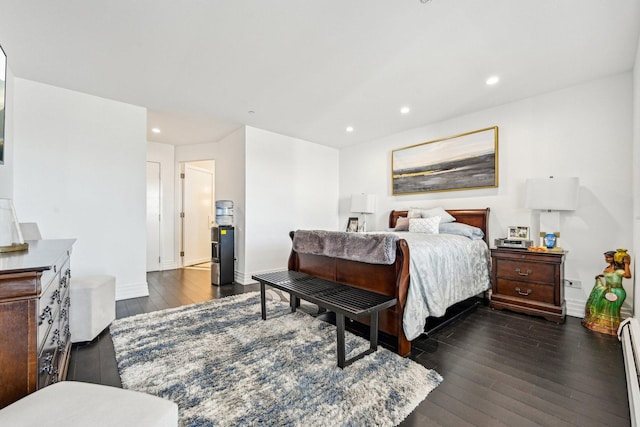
[3, 78]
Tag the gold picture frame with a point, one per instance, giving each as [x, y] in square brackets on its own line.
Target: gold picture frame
[461, 162]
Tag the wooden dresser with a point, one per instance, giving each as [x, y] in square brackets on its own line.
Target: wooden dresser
[529, 282]
[34, 318]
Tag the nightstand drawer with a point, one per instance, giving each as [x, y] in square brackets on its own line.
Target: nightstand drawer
[526, 290]
[526, 271]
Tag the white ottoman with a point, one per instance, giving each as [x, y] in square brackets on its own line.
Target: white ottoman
[93, 306]
[72, 403]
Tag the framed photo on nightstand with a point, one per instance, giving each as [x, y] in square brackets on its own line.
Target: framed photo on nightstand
[518, 232]
[352, 224]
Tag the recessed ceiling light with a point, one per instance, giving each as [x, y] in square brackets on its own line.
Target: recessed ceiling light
[493, 80]
[349, 129]
[405, 110]
[155, 130]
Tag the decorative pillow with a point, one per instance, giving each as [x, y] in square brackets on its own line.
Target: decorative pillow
[427, 213]
[424, 225]
[402, 224]
[414, 213]
[474, 233]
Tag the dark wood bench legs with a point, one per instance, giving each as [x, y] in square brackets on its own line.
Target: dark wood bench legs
[373, 334]
[373, 340]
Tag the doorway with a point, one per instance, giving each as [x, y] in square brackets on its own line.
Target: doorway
[197, 212]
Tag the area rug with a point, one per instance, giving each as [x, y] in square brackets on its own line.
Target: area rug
[224, 366]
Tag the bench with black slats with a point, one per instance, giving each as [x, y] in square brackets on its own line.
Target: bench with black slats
[343, 300]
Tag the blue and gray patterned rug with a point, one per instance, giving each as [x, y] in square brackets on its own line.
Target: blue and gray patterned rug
[224, 366]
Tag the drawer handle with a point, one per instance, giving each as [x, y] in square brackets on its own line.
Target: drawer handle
[523, 274]
[55, 337]
[526, 294]
[55, 296]
[46, 313]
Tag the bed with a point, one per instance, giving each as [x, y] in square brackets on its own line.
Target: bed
[393, 279]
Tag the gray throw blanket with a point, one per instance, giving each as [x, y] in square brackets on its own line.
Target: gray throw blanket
[369, 248]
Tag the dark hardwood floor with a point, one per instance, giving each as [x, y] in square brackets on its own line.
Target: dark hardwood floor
[499, 368]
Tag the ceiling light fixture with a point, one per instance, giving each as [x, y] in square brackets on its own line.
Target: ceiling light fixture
[405, 110]
[492, 80]
[155, 130]
[349, 129]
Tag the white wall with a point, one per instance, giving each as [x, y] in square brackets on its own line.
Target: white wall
[290, 184]
[165, 155]
[79, 172]
[6, 169]
[583, 131]
[636, 172]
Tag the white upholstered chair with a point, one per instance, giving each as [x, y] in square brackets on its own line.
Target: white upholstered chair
[72, 403]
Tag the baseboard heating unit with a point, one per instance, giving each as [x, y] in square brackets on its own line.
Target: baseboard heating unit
[629, 335]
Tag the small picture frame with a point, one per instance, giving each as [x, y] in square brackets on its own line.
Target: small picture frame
[352, 224]
[518, 232]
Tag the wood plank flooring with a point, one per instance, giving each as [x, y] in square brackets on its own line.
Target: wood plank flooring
[499, 368]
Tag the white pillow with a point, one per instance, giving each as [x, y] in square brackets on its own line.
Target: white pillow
[427, 213]
[424, 225]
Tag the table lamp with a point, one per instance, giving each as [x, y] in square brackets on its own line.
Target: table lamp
[550, 196]
[363, 204]
[10, 233]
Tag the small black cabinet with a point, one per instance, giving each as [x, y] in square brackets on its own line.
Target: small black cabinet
[222, 255]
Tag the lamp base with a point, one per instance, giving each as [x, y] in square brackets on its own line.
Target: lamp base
[14, 247]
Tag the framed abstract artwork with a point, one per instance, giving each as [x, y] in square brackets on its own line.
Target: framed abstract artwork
[461, 162]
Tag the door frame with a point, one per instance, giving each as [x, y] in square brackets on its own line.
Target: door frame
[198, 164]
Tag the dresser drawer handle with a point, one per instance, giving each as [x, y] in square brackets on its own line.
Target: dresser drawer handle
[523, 274]
[46, 313]
[526, 294]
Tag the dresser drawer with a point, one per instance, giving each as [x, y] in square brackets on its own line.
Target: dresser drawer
[526, 271]
[537, 292]
[47, 314]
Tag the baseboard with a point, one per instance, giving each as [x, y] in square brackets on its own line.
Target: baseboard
[131, 290]
[575, 307]
[169, 265]
[245, 278]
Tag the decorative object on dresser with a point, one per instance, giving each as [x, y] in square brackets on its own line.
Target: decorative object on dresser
[11, 238]
[363, 204]
[602, 311]
[529, 282]
[459, 162]
[34, 318]
[550, 196]
[223, 365]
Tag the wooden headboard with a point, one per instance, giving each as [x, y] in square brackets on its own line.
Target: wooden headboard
[476, 217]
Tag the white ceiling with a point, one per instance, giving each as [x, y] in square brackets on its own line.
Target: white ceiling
[307, 68]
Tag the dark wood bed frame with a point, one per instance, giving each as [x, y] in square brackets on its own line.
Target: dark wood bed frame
[392, 280]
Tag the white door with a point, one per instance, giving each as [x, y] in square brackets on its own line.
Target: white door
[198, 213]
[153, 216]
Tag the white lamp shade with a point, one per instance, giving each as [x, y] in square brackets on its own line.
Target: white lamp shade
[363, 203]
[555, 194]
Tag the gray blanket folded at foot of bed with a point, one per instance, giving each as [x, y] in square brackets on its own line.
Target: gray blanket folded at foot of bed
[369, 248]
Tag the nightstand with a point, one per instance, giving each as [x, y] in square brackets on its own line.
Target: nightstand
[528, 282]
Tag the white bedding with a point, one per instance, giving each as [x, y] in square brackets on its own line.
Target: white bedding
[445, 269]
